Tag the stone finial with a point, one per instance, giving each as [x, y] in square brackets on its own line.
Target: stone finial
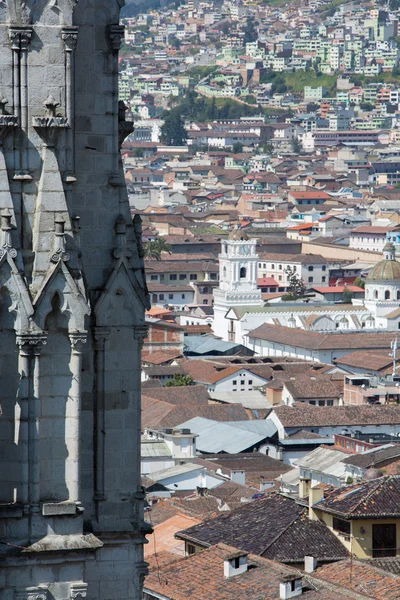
[60, 254]
[3, 103]
[51, 106]
[6, 228]
[121, 249]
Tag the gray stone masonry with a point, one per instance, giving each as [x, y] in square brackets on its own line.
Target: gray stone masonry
[72, 302]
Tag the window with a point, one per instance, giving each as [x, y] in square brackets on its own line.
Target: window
[341, 526]
[250, 382]
[323, 279]
[213, 276]
[183, 296]
[242, 382]
[153, 277]
[387, 295]
[329, 402]
[182, 277]
[193, 277]
[190, 549]
[272, 266]
[172, 277]
[161, 297]
[170, 296]
[323, 267]
[280, 267]
[205, 301]
[279, 277]
[264, 266]
[161, 277]
[376, 294]
[243, 272]
[310, 279]
[234, 382]
[205, 290]
[311, 268]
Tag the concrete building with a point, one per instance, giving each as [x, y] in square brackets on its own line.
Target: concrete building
[72, 310]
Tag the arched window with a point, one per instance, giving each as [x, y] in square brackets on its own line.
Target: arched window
[242, 272]
[224, 271]
[398, 295]
[387, 294]
[376, 294]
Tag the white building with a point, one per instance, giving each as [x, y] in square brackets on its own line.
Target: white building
[238, 272]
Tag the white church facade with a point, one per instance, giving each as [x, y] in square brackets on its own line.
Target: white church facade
[239, 308]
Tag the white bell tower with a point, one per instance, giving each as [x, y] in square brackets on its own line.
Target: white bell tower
[238, 270]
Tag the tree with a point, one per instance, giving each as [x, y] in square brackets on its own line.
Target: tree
[179, 380]
[250, 31]
[237, 148]
[297, 146]
[359, 282]
[347, 296]
[153, 249]
[297, 287]
[173, 132]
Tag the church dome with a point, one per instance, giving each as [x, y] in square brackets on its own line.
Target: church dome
[387, 269]
[237, 235]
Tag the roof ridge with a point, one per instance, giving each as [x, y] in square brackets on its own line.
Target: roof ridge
[282, 532]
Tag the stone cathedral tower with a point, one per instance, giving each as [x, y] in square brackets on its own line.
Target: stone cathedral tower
[72, 302]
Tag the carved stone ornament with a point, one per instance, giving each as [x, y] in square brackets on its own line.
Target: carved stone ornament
[78, 590]
[69, 36]
[20, 38]
[78, 340]
[6, 227]
[59, 242]
[115, 37]
[125, 127]
[7, 122]
[31, 593]
[49, 126]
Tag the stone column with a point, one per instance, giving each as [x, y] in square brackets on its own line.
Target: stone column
[24, 361]
[69, 36]
[101, 335]
[25, 40]
[36, 341]
[139, 333]
[115, 37]
[15, 47]
[73, 417]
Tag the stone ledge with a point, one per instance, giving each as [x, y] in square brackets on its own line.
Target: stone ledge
[60, 543]
[10, 511]
[59, 509]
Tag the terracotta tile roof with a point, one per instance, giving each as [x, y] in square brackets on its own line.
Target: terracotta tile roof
[338, 289]
[392, 565]
[160, 357]
[376, 360]
[309, 386]
[201, 577]
[362, 577]
[163, 536]
[309, 195]
[383, 455]
[193, 394]
[156, 413]
[314, 340]
[305, 415]
[257, 528]
[378, 498]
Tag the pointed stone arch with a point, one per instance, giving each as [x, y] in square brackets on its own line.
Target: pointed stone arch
[21, 305]
[120, 300]
[73, 299]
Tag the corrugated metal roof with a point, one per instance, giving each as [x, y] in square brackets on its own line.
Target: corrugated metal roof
[229, 437]
[202, 344]
[252, 399]
[174, 471]
[324, 460]
[154, 449]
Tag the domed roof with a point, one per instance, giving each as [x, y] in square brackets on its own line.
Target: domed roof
[385, 270]
[372, 473]
[237, 235]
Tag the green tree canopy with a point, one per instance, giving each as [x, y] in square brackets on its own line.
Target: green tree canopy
[179, 380]
[173, 132]
[153, 249]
